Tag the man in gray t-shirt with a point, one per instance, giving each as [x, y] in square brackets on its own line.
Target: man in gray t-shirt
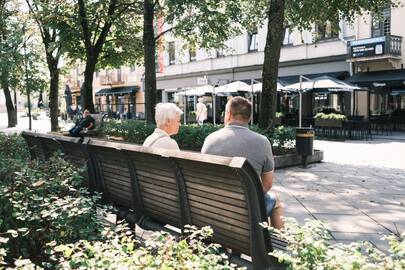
[236, 140]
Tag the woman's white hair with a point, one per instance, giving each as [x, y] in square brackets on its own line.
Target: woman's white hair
[165, 112]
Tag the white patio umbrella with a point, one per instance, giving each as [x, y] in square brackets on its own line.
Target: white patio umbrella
[322, 84]
[197, 91]
[257, 87]
[232, 87]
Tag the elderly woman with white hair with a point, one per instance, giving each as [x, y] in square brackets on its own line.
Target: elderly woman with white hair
[167, 117]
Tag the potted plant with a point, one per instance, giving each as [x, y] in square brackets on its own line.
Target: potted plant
[278, 121]
[329, 120]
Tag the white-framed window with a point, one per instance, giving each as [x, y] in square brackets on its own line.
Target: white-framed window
[381, 25]
[220, 52]
[288, 39]
[172, 53]
[325, 31]
[192, 51]
[252, 39]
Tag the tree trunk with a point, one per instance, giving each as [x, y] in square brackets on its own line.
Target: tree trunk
[53, 96]
[11, 112]
[86, 91]
[149, 46]
[274, 40]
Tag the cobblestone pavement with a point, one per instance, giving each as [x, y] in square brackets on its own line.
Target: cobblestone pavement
[359, 189]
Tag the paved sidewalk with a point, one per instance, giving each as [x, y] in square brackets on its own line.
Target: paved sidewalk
[42, 124]
[359, 190]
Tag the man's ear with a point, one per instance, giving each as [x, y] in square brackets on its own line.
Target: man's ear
[228, 115]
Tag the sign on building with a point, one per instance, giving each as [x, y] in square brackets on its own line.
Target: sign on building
[202, 80]
[368, 47]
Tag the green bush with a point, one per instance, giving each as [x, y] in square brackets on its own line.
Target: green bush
[191, 137]
[13, 147]
[161, 251]
[44, 203]
[332, 116]
[310, 247]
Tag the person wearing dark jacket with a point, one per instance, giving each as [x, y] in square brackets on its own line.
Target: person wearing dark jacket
[87, 122]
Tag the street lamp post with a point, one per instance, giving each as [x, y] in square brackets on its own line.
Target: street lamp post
[185, 107]
[252, 81]
[300, 99]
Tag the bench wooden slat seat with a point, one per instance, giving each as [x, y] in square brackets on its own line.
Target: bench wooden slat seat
[178, 188]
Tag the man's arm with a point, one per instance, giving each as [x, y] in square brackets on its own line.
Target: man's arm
[267, 181]
[90, 126]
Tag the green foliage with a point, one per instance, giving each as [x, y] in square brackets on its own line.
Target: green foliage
[161, 251]
[19, 48]
[332, 116]
[206, 23]
[279, 114]
[310, 247]
[13, 147]
[42, 204]
[191, 137]
[111, 29]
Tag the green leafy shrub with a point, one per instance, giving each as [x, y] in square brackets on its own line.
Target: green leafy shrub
[13, 147]
[45, 203]
[330, 116]
[310, 247]
[191, 137]
[279, 114]
[161, 251]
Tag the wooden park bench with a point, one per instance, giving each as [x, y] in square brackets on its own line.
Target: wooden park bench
[157, 187]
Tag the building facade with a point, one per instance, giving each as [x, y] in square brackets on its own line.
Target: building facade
[117, 92]
[346, 55]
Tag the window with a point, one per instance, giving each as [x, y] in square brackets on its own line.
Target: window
[220, 52]
[97, 74]
[252, 39]
[172, 53]
[119, 75]
[132, 69]
[378, 103]
[325, 31]
[288, 40]
[381, 25]
[192, 53]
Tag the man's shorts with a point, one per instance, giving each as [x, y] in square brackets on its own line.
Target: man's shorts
[270, 202]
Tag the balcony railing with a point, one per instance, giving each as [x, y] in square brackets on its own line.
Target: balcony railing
[370, 48]
[113, 79]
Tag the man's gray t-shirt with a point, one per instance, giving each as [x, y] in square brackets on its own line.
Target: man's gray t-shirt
[236, 140]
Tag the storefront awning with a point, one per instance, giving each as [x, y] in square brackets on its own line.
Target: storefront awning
[118, 91]
[397, 92]
[379, 78]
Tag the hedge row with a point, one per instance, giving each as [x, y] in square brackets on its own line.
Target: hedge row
[191, 137]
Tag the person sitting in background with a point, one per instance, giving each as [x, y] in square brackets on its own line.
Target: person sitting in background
[237, 140]
[87, 122]
[167, 117]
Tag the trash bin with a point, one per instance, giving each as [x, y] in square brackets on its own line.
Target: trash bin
[304, 143]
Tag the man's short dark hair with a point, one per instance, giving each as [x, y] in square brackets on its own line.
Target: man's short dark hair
[240, 108]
